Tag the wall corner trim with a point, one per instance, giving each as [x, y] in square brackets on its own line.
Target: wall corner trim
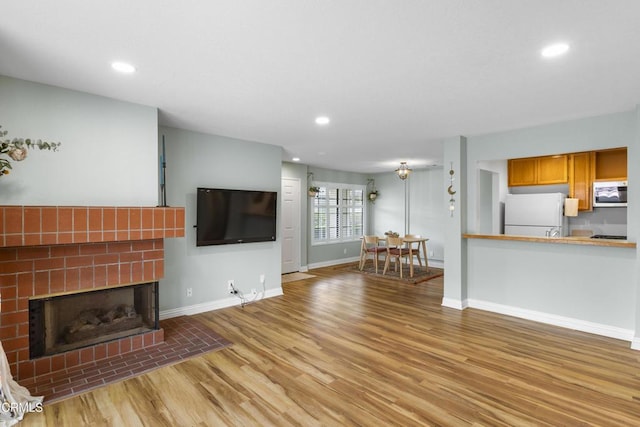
[454, 303]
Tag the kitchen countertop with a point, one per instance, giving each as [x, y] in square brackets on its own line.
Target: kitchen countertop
[569, 240]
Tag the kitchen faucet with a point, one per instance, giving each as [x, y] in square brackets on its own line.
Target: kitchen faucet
[553, 232]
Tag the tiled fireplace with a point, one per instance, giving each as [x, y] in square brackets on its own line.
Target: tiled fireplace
[48, 252]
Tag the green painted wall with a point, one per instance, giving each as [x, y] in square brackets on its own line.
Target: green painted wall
[201, 160]
[108, 154]
[331, 253]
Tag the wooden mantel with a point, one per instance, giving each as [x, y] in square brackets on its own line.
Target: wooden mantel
[59, 225]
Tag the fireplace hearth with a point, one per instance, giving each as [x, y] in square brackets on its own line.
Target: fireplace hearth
[68, 322]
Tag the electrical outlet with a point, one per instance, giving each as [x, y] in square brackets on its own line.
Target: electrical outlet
[430, 253]
[262, 278]
[254, 292]
[189, 292]
[345, 251]
[231, 287]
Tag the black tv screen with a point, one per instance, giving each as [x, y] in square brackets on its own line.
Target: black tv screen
[235, 216]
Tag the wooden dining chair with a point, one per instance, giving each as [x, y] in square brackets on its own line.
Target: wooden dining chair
[371, 247]
[396, 249]
[414, 247]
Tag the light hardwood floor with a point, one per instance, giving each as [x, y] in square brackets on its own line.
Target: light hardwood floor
[345, 349]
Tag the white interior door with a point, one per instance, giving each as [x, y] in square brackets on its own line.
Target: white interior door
[290, 225]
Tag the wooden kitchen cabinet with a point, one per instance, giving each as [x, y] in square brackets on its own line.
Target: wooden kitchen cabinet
[581, 176]
[538, 170]
[579, 170]
[611, 165]
[552, 170]
[523, 171]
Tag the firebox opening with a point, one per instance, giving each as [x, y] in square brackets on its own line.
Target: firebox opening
[68, 322]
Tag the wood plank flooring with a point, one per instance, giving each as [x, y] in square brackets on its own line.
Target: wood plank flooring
[345, 349]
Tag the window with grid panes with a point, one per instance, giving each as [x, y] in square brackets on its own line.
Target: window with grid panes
[338, 213]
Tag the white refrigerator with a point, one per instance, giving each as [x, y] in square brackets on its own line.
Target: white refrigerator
[539, 214]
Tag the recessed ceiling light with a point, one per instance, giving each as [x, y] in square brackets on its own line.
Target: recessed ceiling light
[554, 50]
[322, 120]
[296, 159]
[123, 67]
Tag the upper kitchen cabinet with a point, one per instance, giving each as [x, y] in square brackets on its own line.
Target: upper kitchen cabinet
[552, 170]
[538, 170]
[581, 172]
[522, 171]
[611, 165]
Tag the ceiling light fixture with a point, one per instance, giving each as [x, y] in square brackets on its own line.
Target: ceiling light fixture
[296, 159]
[123, 67]
[554, 50]
[403, 171]
[322, 120]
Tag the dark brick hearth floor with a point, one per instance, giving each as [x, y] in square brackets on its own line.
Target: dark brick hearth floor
[185, 337]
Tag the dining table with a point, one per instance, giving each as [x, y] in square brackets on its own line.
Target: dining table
[422, 241]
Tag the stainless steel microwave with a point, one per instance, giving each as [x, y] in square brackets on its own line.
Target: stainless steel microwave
[610, 194]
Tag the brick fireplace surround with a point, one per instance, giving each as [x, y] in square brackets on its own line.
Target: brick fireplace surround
[49, 250]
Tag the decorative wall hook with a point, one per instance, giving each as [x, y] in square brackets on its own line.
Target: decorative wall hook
[451, 192]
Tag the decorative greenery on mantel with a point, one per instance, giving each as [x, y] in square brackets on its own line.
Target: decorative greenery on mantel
[17, 148]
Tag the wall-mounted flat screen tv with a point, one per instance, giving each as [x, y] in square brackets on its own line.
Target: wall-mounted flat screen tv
[235, 216]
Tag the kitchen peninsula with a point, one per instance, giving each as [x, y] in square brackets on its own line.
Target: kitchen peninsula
[577, 283]
[568, 240]
[590, 285]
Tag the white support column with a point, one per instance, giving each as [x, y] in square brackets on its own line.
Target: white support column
[455, 252]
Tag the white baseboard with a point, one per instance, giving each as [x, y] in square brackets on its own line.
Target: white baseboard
[437, 263]
[536, 316]
[211, 305]
[454, 303]
[333, 262]
[553, 319]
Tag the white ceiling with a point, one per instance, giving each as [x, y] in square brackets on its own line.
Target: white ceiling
[394, 76]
